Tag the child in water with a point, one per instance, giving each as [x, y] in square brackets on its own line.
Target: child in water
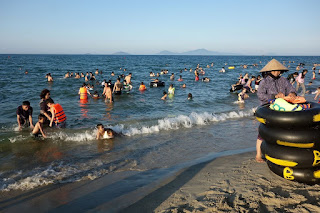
[104, 133]
[189, 96]
[164, 97]
[95, 95]
[243, 95]
[38, 128]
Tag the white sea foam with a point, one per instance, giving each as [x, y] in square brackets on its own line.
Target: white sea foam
[184, 121]
[61, 173]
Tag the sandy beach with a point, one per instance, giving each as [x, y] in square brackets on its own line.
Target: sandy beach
[234, 183]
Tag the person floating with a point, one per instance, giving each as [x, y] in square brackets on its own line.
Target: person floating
[105, 133]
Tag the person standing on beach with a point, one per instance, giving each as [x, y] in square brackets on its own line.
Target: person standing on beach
[271, 87]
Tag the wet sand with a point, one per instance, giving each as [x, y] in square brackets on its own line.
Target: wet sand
[234, 183]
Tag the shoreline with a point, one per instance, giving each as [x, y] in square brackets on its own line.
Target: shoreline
[224, 183]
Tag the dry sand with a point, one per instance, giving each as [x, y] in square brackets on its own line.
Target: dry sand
[231, 184]
[234, 183]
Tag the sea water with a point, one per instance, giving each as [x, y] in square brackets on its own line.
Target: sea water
[155, 133]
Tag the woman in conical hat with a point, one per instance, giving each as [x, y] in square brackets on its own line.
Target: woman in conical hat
[273, 86]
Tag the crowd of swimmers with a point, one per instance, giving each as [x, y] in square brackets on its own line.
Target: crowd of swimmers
[52, 114]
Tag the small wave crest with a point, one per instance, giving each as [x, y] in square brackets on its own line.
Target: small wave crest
[186, 121]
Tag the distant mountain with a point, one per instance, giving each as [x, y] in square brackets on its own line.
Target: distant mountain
[165, 52]
[200, 52]
[194, 52]
[121, 53]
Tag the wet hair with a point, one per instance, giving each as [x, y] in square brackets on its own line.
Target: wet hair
[118, 79]
[164, 92]
[100, 125]
[295, 73]
[44, 93]
[50, 101]
[41, 117]
[84, 84]
[189, 95]
[26, 103]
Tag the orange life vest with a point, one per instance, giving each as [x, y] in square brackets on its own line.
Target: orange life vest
[60, 116]
[83, 93]
[142, 87]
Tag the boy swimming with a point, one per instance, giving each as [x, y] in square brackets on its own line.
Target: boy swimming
[38, 128]
[104, 133]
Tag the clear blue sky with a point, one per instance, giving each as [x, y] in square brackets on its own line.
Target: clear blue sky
[282, 27]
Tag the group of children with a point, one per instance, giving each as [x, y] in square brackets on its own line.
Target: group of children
[57, 117]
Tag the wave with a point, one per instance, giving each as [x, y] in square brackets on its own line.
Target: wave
[186, 121]
[165, 124]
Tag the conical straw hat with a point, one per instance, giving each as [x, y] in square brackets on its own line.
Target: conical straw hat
[274, 65]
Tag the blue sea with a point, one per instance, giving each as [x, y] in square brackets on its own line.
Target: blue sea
[155, 133]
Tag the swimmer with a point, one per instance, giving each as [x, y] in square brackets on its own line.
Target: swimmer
[128, 78]
[49, 77]
[112, 73]
[164, 97]
[171, 89]
[152, 74]
[313, 75]
[107, 92]
[142, 87]
[317, 94]
[189, 96]
[184, 86]
[172, 77]
[38, 128]
[180, 78]
[105, 133]
[97, 71]
[206, 79]
[26, 72]
[24, 114]
[58, 116]
[95, 95]
[222, 70]
[243, 95]
[117, 87]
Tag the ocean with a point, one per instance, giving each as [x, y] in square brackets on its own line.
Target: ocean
[156, 134]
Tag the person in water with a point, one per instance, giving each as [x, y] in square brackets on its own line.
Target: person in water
[105, 133]
[171, 89]
[44, 109]
[271, 87]
[243, 95]
[128, 78]
[117, 87]
[83, 92]
[38, 128]
[107, 92]
[49, 77]
[300, 82]
[142, 87]
[164, 97]
[24, 115]
[58, 116]
[189, 96]
[172, 77]
[95, 95]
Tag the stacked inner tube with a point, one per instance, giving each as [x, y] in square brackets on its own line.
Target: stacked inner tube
[291, 143]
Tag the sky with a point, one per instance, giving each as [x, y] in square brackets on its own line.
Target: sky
[249, 27]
